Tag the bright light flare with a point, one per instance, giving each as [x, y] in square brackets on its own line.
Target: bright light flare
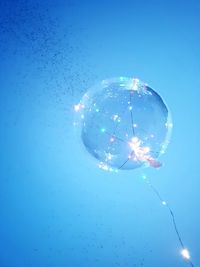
[78, 107]
[185, 253]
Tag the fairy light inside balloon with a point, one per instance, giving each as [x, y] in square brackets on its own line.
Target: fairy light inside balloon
[125, 118]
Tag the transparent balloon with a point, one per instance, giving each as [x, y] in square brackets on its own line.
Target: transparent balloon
[125, 124]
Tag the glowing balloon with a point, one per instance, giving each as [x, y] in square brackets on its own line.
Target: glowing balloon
[125, 124]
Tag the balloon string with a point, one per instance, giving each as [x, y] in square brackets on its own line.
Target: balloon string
[155, 191]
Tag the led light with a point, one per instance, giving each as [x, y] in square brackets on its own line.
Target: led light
[115, 117]
[109, 156]
[112, 139]
[77, 107]
[185, 253]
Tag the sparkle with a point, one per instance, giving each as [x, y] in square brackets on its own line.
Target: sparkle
[115, 117]
[185, 253]
[109, 156]
[130, 108]
[82, 116]
[135, 125]
[112, 139]
[78, 107]
[164, 203]
[103, 130]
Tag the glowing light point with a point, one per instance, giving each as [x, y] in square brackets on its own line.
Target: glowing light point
[103, 130]
[135, 125]
[78, 107]
[115, 117]
[130, 108]
[109, 156]
[185, 253]
[112, 139]
[144, 177]
[164, 203]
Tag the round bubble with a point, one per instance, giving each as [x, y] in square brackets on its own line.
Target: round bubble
[125, 124]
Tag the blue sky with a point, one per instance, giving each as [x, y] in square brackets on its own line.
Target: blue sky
[57, 208]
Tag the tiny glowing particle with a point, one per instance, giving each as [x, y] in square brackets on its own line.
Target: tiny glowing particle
[164, 203]
[112, 139]
[144, 177]
[109, 156]
[115, 117]
[103, 130]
